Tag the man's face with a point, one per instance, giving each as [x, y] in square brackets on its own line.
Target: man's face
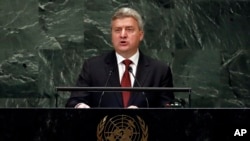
[126, 36]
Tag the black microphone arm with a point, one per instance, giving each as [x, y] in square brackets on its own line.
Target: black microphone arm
[106, 83]
[138, 83]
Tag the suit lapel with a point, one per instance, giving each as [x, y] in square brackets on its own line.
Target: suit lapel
[111, 62]
[141, 73]
[142, 70]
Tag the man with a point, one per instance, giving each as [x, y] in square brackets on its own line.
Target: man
[110, 70]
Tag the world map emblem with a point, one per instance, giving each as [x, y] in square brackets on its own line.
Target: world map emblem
[122, 128]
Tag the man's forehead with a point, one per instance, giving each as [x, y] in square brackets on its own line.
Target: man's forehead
[125, 22]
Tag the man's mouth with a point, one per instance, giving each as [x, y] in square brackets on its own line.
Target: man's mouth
[123, 43]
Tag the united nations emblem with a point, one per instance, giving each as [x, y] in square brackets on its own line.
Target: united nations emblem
[122, 128]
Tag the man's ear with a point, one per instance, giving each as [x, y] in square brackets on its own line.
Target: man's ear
[142, 36]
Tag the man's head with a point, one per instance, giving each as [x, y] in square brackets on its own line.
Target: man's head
[127, 31]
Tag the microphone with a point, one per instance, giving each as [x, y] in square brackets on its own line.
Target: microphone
[106, 83]
[138, 83]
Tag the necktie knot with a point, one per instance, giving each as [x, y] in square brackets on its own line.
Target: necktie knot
[127, 62]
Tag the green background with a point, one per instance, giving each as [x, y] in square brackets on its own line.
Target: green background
[43, 44]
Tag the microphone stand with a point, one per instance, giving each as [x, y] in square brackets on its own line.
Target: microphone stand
[106, 83]
[143, 93]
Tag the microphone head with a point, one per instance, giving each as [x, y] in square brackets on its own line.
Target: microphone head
[130, 69]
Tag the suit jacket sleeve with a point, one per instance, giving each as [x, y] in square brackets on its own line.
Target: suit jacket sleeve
[82, 81]
[167, 81]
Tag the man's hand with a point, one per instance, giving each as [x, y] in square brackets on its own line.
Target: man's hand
[132, 107]
[82, 105]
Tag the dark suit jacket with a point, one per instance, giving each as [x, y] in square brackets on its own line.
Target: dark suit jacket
[95, 73]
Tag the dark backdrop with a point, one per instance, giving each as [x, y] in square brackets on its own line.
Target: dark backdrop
[43, 44]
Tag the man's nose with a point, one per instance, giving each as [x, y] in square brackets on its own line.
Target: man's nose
[123, 33]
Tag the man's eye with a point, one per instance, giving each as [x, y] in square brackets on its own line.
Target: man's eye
[117, 30]
[130, 29]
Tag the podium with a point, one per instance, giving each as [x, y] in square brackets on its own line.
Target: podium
[169, 124]
[132, 89]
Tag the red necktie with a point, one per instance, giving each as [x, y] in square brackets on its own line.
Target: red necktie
[126, 82]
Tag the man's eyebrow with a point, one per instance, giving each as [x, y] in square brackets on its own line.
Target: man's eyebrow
[129, 27]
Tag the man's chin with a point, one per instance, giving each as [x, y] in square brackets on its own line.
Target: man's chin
[123, 48]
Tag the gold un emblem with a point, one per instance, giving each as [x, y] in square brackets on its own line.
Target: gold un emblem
[122, 128]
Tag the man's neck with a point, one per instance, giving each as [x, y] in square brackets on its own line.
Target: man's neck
[127, 55]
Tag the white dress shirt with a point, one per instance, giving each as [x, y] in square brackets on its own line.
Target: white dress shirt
[121, 66]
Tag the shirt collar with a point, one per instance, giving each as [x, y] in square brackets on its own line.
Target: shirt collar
[133, 58]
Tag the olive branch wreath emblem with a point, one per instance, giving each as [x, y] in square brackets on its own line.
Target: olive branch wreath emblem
[143, 126]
